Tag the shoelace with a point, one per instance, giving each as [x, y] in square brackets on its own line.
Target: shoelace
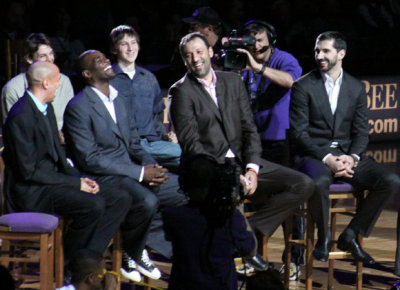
[128, 260]
[146, 260]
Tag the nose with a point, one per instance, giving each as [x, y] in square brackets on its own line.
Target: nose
[49, 58]
[318, 55]
[194, 58]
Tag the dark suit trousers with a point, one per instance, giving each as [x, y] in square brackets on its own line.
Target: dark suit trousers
[169, 195]
[280, 191]
[84, 210]
[130, 205]
[380, 183]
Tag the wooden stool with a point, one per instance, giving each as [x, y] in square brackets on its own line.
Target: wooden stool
[16, 229]
[338, 191]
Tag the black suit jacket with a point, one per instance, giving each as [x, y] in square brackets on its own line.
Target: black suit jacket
[313, 127]
[33, 156]
[204, 128]
[97, 144]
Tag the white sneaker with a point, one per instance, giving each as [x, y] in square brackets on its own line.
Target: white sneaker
[128, 268]
[146, 266]
[244, 269]
[294, 271]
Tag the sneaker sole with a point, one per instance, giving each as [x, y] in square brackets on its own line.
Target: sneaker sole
[154, 276]
[133, 275]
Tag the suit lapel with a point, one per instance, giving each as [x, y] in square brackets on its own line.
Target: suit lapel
[101, 109]
[205, 97]
[322, 99]
[122, 119]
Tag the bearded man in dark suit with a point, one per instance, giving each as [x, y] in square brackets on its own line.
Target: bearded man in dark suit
[329, 126]
[211, 115]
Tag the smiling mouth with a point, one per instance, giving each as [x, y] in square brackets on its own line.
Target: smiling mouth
[107, 68]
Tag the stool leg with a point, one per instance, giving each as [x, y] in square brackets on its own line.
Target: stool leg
[117, 255]
[59, 255]
[147, 281]
[288, 234]
[333, 246]
[359, 268]
[44, 265]
[309, 249]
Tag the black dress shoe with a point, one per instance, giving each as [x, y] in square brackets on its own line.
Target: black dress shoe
[352, 246]
[257, 262]
[321, 250]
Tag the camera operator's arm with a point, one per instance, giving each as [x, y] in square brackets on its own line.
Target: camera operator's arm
[279, 77]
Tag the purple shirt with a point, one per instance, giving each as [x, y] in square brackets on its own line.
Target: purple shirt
[271, 106]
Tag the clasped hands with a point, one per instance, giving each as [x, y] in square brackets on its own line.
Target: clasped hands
[342, 166]
[155, 174]
[249, 182]
[89, 185]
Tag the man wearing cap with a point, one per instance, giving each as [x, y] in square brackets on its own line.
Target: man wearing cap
[206, 21]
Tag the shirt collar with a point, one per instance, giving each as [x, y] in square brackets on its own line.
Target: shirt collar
[213, 81]
[328, 79]
[42, 108]
[118, 70]
[103, 97]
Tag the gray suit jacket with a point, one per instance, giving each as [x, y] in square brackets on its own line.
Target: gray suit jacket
[204, 128]
[96, 143]
[313, 127]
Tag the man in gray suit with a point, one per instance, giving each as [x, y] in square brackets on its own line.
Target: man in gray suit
[102, 139]
[328, 120]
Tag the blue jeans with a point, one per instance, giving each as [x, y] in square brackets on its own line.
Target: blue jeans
[166, 153]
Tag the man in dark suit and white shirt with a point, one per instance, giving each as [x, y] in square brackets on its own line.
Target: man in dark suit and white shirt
[211, 115]
[329, 127]
[38, 177]
[102, 139]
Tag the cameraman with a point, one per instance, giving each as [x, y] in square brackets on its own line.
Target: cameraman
[206, 232]
[269, 76]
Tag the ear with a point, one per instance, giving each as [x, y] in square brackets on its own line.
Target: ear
[210, 28]
[341, 54]
[210, 51]
[45, 84]
[28, 60]
[86, 74]
[90, 278]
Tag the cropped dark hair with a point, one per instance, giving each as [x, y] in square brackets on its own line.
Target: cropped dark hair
[339, 41]
[117, 33]
[83, 263]
[32, 43]
[189, 37]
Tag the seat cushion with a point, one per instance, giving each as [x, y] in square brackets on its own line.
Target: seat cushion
[340, 186]
[32, 222]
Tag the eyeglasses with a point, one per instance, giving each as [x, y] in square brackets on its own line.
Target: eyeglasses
[101, 276]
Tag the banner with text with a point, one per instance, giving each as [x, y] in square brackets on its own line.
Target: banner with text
[383, 93]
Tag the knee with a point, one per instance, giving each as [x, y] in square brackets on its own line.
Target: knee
[322, 183]
[307, 186]
[98, 206]
[149, 204]
[392, 183]
[123, 198]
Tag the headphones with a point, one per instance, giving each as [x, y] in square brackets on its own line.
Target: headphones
[271, 32]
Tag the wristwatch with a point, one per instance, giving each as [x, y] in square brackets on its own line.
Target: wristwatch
[262, 70]
[356, 158]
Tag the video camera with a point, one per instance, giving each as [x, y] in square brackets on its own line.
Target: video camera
[215, 185]
[233, 59]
